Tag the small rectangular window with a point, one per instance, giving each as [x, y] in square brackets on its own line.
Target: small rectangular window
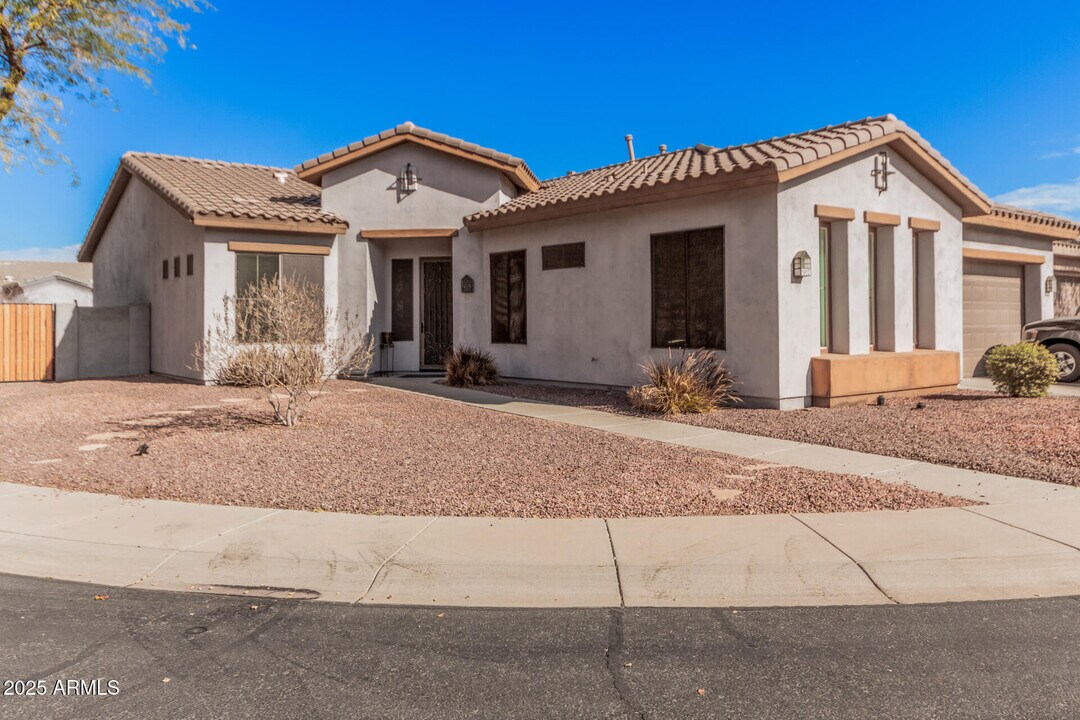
[176, 266]
[560, 257]
[165, 269]
[190, 264]
[508, 297]
[401, 299]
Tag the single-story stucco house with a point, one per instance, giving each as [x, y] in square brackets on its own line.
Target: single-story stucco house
[826, 266]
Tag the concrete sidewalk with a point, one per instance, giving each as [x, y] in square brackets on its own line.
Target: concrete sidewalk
[992, 552]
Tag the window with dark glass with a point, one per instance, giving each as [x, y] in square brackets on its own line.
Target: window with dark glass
[560, 257]
[176, 266]
[165, 269]
[190, 264]
[508, 297]
[253, 268]
[401, 299]
[688, 289]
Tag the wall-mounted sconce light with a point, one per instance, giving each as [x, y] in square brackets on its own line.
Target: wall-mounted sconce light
[881, 171]
[1051, 284]
[800, 265]
[408, 179]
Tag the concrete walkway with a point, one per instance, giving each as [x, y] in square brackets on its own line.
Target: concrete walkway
[1058, 390]
[1024, 543]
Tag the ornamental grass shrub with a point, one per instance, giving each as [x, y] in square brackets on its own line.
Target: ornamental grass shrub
[468, 366]
[695, 382]
[1025, 369]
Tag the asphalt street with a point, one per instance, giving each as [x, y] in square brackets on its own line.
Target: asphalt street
[182, 655]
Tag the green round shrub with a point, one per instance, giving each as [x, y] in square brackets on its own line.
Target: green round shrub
[1025, 369]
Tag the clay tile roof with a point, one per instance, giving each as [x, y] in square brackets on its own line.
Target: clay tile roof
[521, 173]
[211, 188]
[776, 155]
[1035, 217]
[223, 194]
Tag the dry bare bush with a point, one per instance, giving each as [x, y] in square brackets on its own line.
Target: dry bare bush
[696, 382]
[281, 338]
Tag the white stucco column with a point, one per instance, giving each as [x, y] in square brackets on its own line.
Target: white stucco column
[895, 297]
[850, 293]
[1038, 304]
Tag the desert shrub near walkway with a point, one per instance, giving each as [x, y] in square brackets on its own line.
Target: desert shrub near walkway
[1025, 369]
[695, 382]
[468, 366]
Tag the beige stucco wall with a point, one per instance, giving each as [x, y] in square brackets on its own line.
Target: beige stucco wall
[145, 230]
[850, 185]
[1038, 304]
[365, 194]
[593, 324]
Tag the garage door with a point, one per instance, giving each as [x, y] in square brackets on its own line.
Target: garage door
[993, 309]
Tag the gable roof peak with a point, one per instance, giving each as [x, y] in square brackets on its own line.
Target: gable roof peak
[513, 167]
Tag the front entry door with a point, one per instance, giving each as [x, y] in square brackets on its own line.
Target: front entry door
[436, 312]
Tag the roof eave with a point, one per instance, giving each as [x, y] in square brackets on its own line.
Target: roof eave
[660, 192]
[1023, 226]
[229, 222]
[121, 178]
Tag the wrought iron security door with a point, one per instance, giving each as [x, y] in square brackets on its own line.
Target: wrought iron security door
[436, 312]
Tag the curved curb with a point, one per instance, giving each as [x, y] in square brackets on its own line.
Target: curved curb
[991, 552]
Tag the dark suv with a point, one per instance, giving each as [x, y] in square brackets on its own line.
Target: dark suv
[1061, 336]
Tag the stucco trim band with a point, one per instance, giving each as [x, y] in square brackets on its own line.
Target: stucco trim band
[832, 213]
[924, 224]
[880, 218]
[214, 221]
[391, 234]
[1003, 256]
[290, 249]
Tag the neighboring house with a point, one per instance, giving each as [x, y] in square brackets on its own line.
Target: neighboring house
[824, 267]
[1009, 263]
[49, 282]
[1067, 272]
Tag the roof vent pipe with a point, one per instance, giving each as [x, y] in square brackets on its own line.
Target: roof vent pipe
[281, 177]
[663, 149]
[630, 146]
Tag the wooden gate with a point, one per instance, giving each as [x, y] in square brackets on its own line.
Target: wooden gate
[26, 342]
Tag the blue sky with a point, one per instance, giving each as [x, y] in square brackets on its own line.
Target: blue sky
[996, 90]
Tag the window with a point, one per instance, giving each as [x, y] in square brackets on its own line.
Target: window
[688, 289]
[824, 270]
[190, 264]
[401, 299]
[253, 268]
[560, 257]
[508, 297]
[165, 269]
[176, 266]
[872, 253]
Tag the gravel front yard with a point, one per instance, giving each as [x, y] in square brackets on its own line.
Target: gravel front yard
[1035, 438]
[367, 449]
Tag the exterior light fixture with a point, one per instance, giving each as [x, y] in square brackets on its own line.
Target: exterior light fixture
[408, 179]
[800, 265]
[881, 171]
[1051, 284]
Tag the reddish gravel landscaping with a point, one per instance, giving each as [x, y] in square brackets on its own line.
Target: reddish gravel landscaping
[1035, 438]
[367, 449]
